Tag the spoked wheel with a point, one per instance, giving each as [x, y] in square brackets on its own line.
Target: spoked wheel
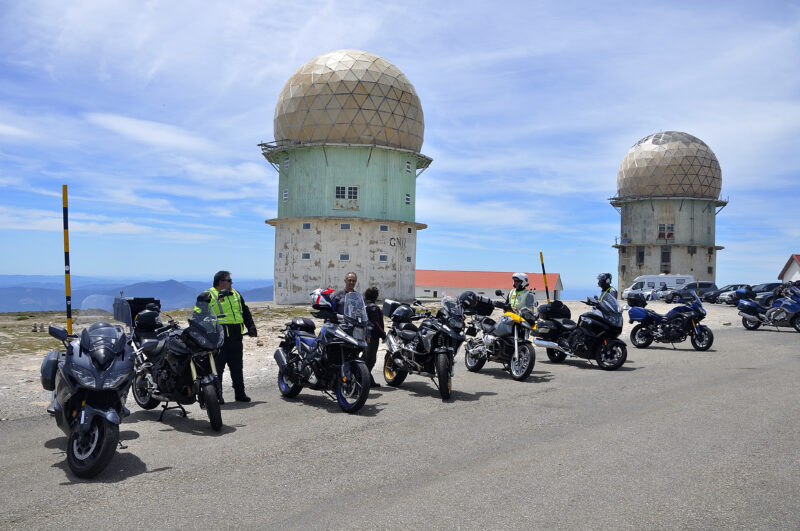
[443, 375]
[525, 361]
[473, 363]
[89, 454]
[796, 322]
[211, 401]
[353, 392]
[750, 325]
[641, 336]
[704, 339]
[140, 393]
[610, 355]
[286, 387]
[556, 356]
[391, 374]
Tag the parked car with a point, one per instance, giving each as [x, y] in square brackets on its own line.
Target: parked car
[713, 295]
[686, 292]
[730, 297]
[766, 298]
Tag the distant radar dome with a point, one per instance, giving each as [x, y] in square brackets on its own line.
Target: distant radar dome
[669, 164]
[350, 97]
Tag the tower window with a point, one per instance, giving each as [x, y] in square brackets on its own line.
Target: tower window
[306, 226]
[352, 192]
[640, 255]
[622, 250]
[344, 257]
[344, 226]
[408, 199]
[692, 249]
[280, 255]
[665, 255]
[408, 166]
[670, 231]
[408, 259]
[409, 230]
[710, 270]
[305, 256]
[662, 231]
[384, 228]
[622, 268]
[710, 251]
[280, 284]
[341, 192]
[383, 258]
[285, 194]
[285, 163]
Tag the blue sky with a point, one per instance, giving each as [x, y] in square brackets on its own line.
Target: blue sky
[151, 112]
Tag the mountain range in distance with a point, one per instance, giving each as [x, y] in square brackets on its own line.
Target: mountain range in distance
[36, 293]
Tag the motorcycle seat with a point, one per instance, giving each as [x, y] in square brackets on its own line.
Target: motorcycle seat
[487, 325]
[407, 335]
[303, 333]
[566, 324]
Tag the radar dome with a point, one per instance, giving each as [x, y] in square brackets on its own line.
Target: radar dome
[350, 97]
[669, 164]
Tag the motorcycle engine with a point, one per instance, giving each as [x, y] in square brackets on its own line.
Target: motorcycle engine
[166, 379]
[776, 314]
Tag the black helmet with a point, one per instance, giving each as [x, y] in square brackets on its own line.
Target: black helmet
[402, 314]
[604, 280]
[467, 299]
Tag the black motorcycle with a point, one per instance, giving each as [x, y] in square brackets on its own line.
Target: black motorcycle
[328, 362]
[505, 341]
[428, 350]
[91, 378]
[593, 337]
[175, 364]
[680, 322]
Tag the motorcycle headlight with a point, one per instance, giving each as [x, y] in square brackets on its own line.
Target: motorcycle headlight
[116, 380]
[84, 376]
[358, 333]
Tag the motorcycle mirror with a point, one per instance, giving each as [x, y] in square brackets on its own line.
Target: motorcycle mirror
[58, 332]
[498, 292]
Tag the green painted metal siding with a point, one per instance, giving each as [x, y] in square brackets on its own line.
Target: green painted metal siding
[310, 175]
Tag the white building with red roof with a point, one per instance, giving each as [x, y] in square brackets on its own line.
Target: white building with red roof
[437, 283]
[791, 271]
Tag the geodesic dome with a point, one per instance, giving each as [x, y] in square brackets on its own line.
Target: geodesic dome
[350, 97]
[669, 164]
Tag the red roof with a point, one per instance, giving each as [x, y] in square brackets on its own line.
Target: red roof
[480, 279]
[796, 258]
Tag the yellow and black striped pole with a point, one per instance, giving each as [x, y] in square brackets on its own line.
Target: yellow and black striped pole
[544, 274]
[66, 260]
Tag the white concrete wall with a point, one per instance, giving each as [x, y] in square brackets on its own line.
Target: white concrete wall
[792, 273]
[296, 277]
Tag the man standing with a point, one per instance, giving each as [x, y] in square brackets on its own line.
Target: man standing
[226, 300]
[375, 331]
[350, 280]
[520, 297]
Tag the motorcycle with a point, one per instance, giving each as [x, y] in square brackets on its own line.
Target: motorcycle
[428, 350]
[175, 364]
[594, 337]
[329, 361]
[505, 341]
[90, 380]
[679, 323]
[784, 312]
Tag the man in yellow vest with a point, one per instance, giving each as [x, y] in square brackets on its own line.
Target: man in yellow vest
[237, 318]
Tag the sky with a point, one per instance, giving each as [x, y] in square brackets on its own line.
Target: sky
[151, 113]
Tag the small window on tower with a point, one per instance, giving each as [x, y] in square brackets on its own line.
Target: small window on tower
[306, 226]
[341, 192]
[640, 255]
[280, 284]
[384, 228]
[622, 250]
[692, 249]
[352, 192]
[670, 231]
[344, 226]
[305, 256]
[408, 199]
[662, 231]
[665, 255]
[280, 255]
[383, 258]
[344, 257]
[285, 163]
[710, 250]
[408, 259]
[408, 166]
[409, 230]
[285, 194]
[710, 270]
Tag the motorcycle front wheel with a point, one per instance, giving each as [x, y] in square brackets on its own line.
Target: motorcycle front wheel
[525, 362]
[704, 339]
[89, 455]
[140, 393]
[796, 322]
[641, 336]
[212, 406]
[352, 393]
[443, 375]
[286, 387]
[474, 364]
[750, 325]
[610, 355]
[392, 375]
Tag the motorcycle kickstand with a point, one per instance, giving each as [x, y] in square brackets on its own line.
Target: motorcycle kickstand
[122, 446]
[165, 408]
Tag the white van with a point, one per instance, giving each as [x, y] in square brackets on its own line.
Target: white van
[644, 284]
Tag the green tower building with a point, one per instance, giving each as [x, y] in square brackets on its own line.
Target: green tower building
[348, 132]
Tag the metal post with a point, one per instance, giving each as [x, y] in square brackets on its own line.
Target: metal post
[66, 260]
[544, 274]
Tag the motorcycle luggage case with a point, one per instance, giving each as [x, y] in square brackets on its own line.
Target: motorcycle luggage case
[636, 300]
[137, 304]
[389, 306]
[483, 306]
[304, 324]
[49, 369]
[554, 309]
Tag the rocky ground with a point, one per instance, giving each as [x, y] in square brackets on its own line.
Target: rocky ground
[22, 349]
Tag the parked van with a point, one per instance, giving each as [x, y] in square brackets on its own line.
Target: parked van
[644, 284]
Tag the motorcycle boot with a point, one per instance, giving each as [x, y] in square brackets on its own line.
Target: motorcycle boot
[238, 387]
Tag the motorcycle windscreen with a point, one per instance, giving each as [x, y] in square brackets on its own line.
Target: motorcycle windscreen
[353, 307]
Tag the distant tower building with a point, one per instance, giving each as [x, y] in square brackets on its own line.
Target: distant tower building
[348, 132]
[668, 188]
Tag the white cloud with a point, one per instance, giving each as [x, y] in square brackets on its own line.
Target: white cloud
[12, 131]
[151, 133]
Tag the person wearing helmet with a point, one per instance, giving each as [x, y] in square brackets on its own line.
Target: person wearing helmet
[520, 296]
[604, 283]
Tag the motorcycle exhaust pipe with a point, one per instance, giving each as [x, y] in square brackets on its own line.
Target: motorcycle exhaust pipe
[280, 359]
[752, 318]
[549, 344]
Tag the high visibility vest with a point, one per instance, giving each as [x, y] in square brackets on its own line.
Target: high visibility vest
[231, 306]
[518, 299]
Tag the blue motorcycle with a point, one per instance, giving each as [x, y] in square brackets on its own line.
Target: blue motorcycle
[785, 311]
[680, 322]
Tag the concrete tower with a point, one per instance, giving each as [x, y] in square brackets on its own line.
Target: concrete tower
[348, 133]
[668, 189]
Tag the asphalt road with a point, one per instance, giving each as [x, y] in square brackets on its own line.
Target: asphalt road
[675, 439]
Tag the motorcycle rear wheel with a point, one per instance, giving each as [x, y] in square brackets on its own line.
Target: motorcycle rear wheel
[641, 336]
[796, 322]
[286, 387]
[750, 325]
[392, 375]
[704, 340]
[91, 456]
[140, 394]
[556, 356]
[443, 375]
[212, 406]
[352, 394]
[473, 364]
[610, 355]
[527, 359]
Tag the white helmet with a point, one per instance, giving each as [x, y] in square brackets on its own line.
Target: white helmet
[522, 277]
